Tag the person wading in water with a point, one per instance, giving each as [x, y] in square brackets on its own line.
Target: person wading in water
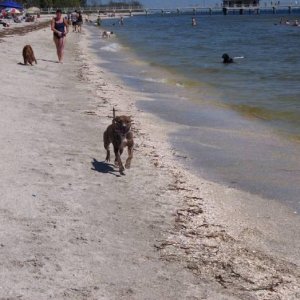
[60, 28]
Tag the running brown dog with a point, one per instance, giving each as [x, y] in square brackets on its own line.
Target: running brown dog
[120, 135]
[28, 55]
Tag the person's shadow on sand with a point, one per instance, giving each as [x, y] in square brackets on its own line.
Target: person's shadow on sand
[104, 167]
[47, 60]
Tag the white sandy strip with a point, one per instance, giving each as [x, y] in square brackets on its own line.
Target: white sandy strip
[71, 228]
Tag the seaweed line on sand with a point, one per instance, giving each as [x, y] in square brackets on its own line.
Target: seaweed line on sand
[23, 29]
[210, 252]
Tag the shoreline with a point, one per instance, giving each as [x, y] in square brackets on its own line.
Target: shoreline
[237, 149]
[189, 220]
[256, 219]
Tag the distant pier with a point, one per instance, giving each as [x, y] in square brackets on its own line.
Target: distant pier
[226, 10]
[192, 10]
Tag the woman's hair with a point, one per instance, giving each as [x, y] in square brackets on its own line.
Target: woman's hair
[58, 11]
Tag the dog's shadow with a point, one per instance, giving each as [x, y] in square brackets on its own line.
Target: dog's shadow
[104, 167]
[22, 64]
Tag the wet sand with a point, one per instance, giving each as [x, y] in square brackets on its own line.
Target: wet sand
[73, 228]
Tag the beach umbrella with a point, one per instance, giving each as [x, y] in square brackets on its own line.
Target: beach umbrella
[13, 11]
[33, 10]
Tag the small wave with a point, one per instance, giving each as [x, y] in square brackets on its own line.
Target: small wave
[158, 80]
[114, 47]
[148, 79]
[186, 83]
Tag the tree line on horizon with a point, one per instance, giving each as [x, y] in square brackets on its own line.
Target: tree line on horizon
[77, 3]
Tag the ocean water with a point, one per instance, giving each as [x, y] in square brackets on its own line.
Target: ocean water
[240, 123]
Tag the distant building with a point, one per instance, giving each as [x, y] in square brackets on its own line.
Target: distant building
[240, 3]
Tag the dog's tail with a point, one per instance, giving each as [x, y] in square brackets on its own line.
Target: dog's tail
[114, 115]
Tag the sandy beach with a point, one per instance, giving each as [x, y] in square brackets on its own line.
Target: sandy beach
[73, 228]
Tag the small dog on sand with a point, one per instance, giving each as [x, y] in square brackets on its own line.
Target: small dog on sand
[106, 34]
[227, 59]
[28, 55]
[120, 135]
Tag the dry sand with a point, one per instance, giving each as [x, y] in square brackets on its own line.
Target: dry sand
[72, 228]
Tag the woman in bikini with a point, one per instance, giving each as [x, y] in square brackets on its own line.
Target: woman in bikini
[60, 28]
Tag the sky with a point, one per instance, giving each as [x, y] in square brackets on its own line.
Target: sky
[170, 3]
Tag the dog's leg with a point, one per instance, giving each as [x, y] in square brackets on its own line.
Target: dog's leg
[121, 150]
[107, 155]
[106, 145]
[130, 151]
[117, 154]
[118, 161]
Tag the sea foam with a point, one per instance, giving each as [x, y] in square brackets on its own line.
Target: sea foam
[113, 47]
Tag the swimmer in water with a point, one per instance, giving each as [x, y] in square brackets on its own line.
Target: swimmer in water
[227, 59]
[194, 23]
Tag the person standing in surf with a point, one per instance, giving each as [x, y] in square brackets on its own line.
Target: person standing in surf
[194, 22]
[60, 28]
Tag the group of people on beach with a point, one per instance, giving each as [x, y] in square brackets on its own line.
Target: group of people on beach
[6, 20]
[75, 18]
